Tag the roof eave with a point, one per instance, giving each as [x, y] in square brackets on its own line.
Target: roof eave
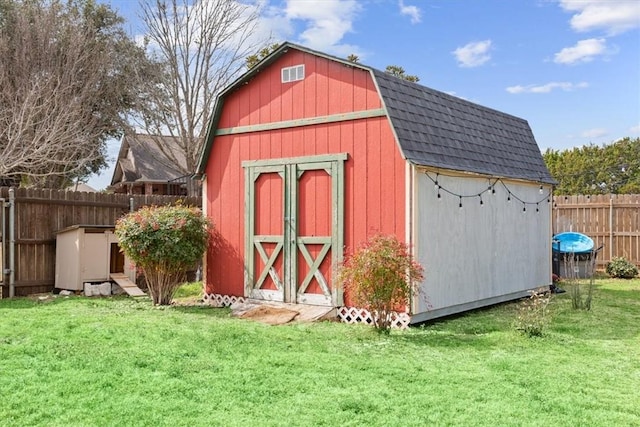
[541, 180]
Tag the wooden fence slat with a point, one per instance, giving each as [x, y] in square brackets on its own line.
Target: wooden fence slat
[39, 214]
[612, 220]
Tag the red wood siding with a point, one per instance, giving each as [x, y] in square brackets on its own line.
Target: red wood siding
[269, 205]
[314, 219]
[374, 172]
[328, 88]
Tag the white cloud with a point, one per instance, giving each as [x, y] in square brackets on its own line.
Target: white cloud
[546, 88]
[254, 26]
[583, 51]
[473, 54]
[273, 23]
[614, 17]
[327, 22]
[594, 133]
[635, 129]
[412, 11]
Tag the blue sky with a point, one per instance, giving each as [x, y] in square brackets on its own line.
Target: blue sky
[570, 68]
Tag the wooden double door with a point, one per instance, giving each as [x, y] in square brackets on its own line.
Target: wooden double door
[294, 212]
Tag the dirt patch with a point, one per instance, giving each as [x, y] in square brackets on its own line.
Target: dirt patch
[42, 298]
[269, 315]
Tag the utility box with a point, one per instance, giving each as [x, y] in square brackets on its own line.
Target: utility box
[89, 253]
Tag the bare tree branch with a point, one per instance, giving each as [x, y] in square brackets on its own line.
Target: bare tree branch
[202, 46]
[63, 89]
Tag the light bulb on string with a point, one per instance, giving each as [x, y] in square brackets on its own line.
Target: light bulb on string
[481, 202]
[509, 197]
[460, 204]
[436, 182]
[524, 207]
[541, 190]
[537, 209]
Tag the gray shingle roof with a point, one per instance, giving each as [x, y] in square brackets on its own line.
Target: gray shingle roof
[141, 160]
[440, 130]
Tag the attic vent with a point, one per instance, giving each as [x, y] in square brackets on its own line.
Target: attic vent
[292, 74]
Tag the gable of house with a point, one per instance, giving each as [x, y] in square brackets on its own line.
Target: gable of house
[141, 160]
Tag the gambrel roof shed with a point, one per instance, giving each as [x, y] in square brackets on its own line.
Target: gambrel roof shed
[307, 156]
[436, 129]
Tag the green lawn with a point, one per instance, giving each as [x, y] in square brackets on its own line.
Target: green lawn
[120, 362]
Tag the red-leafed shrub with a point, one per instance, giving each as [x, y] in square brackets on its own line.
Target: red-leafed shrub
[381, 276]
[164, 242]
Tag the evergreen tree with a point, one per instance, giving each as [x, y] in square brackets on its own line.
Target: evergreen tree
[592, 169]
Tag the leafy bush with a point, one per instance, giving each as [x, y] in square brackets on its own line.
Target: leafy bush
[164, 242]
[621, 268]
[381, 276]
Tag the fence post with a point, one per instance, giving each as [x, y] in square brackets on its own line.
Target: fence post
[12, 243]
[610, 227]
[3, 250]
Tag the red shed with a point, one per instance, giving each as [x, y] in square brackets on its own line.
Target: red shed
[308, 155]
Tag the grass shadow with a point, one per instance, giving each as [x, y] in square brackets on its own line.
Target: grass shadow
[203, 310]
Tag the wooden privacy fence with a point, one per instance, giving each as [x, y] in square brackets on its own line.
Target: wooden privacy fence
[30, 218]
[610, 220]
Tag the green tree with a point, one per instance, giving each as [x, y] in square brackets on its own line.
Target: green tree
[353, 58]
[592, 169]
[394, 70]
[397, 71]
[253, 60]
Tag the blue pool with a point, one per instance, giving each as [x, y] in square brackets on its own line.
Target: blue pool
[571, 242]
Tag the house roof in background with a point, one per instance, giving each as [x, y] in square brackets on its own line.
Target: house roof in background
[432, 128]
[81, 186]
[141, 160]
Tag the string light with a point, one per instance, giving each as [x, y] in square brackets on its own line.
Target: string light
[490, 189]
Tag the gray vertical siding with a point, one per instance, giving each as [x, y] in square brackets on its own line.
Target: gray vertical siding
[478, 254]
